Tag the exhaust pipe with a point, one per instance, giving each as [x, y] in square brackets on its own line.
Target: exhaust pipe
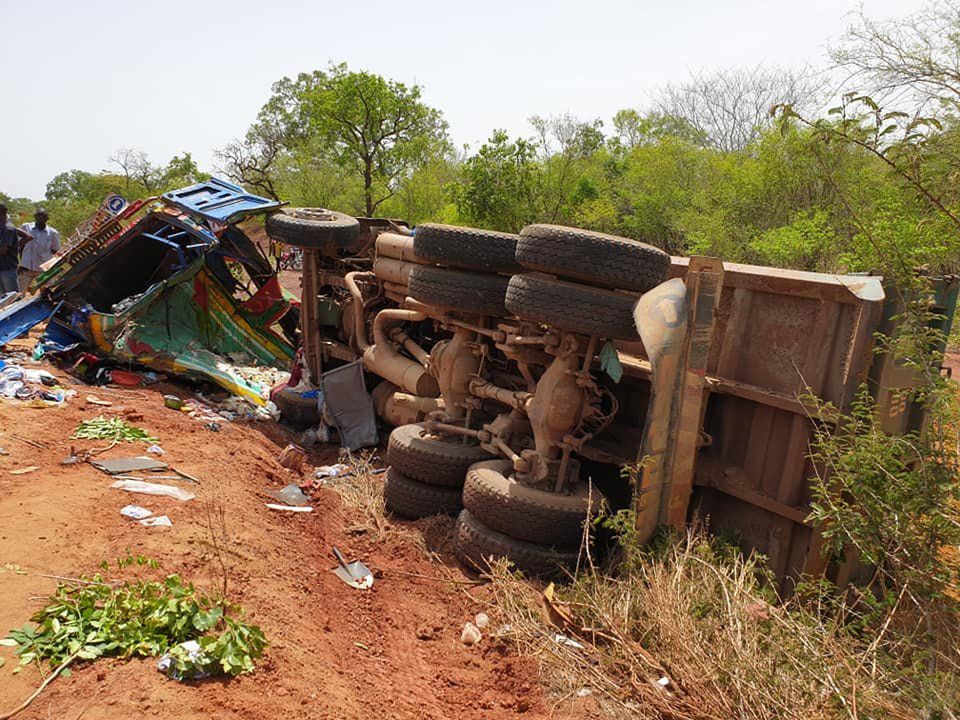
[382, 358]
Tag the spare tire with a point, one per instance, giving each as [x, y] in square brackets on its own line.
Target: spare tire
[501, 503]
[296, 408]
[467, 248]
[460, 290]
[430, 459]
[474, 543]
[413, 500]
[591, 257]
[317, 228]
[571, 306]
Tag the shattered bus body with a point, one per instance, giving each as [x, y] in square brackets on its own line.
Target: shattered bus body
[170, 284]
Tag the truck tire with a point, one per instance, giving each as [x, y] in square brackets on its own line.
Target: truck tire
[317, 228]
[591, 257]
[474, 543]
[477, 293]
[296, 408]
[467, 248]
[571, 306]
[538, 516]
[431, 460]
[413, 500]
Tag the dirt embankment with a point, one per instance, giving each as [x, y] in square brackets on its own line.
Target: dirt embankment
[392, 652]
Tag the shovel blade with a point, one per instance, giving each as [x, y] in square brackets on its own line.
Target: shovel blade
[356, 575]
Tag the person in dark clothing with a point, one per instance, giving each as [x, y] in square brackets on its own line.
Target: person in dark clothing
[10, 237]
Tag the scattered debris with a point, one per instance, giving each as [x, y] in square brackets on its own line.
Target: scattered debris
[147, 488]
[75, 458]
[561, 639]
[94, 400]
[173, 402]
[115, 429]
[125, 378]
[471, 634]
[292, 457]
[186, 476]
[195, 656]
[157, 521]
[325, 471]
[135, 512]
[32, 443]
[155, 450]
[121, 466]
[289, 508]
[25, 384]
[355, 574]
[482, 620]
[290, 495]
[212, 426]
[24, 471]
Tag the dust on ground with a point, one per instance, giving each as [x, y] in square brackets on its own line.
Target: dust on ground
[391, 652]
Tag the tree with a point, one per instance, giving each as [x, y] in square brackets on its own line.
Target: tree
[501, 184]
[377, 129]
[728, 109]
[915, 59]
[565, 144]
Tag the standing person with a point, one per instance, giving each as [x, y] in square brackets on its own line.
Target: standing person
[43, 244]
[10, 237]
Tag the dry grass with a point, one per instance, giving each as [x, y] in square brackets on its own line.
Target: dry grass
[689, 632]
[361, 489]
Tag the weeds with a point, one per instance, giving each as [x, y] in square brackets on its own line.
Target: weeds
[95, 618]
[688, 628]
[362, 488]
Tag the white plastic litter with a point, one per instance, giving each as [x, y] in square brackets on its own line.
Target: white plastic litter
[289, 508]
[135, 512]
[139, 486]
[155, 450]
[195, 654]
[331, 470]
[470, 635]
[561, 639]
[158, 521]
[482, 620]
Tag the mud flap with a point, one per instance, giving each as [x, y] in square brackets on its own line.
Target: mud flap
[347, 399]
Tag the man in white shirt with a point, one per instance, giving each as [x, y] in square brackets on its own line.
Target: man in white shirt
[43, 244]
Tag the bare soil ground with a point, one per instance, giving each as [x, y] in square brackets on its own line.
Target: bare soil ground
[391, 652]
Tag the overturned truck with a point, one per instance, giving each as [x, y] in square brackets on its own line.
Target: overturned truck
[532, 376]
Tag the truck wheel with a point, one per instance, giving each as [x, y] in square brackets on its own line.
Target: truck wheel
[413, 500]
[471, 292]
[430, 459]
[296, 408]
[467, 248]
[592, 257]
[318, 228]
[570, 306]
[475, 543]
[501, 503]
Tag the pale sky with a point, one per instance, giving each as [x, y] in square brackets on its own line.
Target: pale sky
[82, 79]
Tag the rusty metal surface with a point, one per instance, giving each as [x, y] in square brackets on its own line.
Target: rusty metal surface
[778, 335]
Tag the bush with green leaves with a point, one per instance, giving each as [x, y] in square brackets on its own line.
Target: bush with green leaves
[93, 618]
